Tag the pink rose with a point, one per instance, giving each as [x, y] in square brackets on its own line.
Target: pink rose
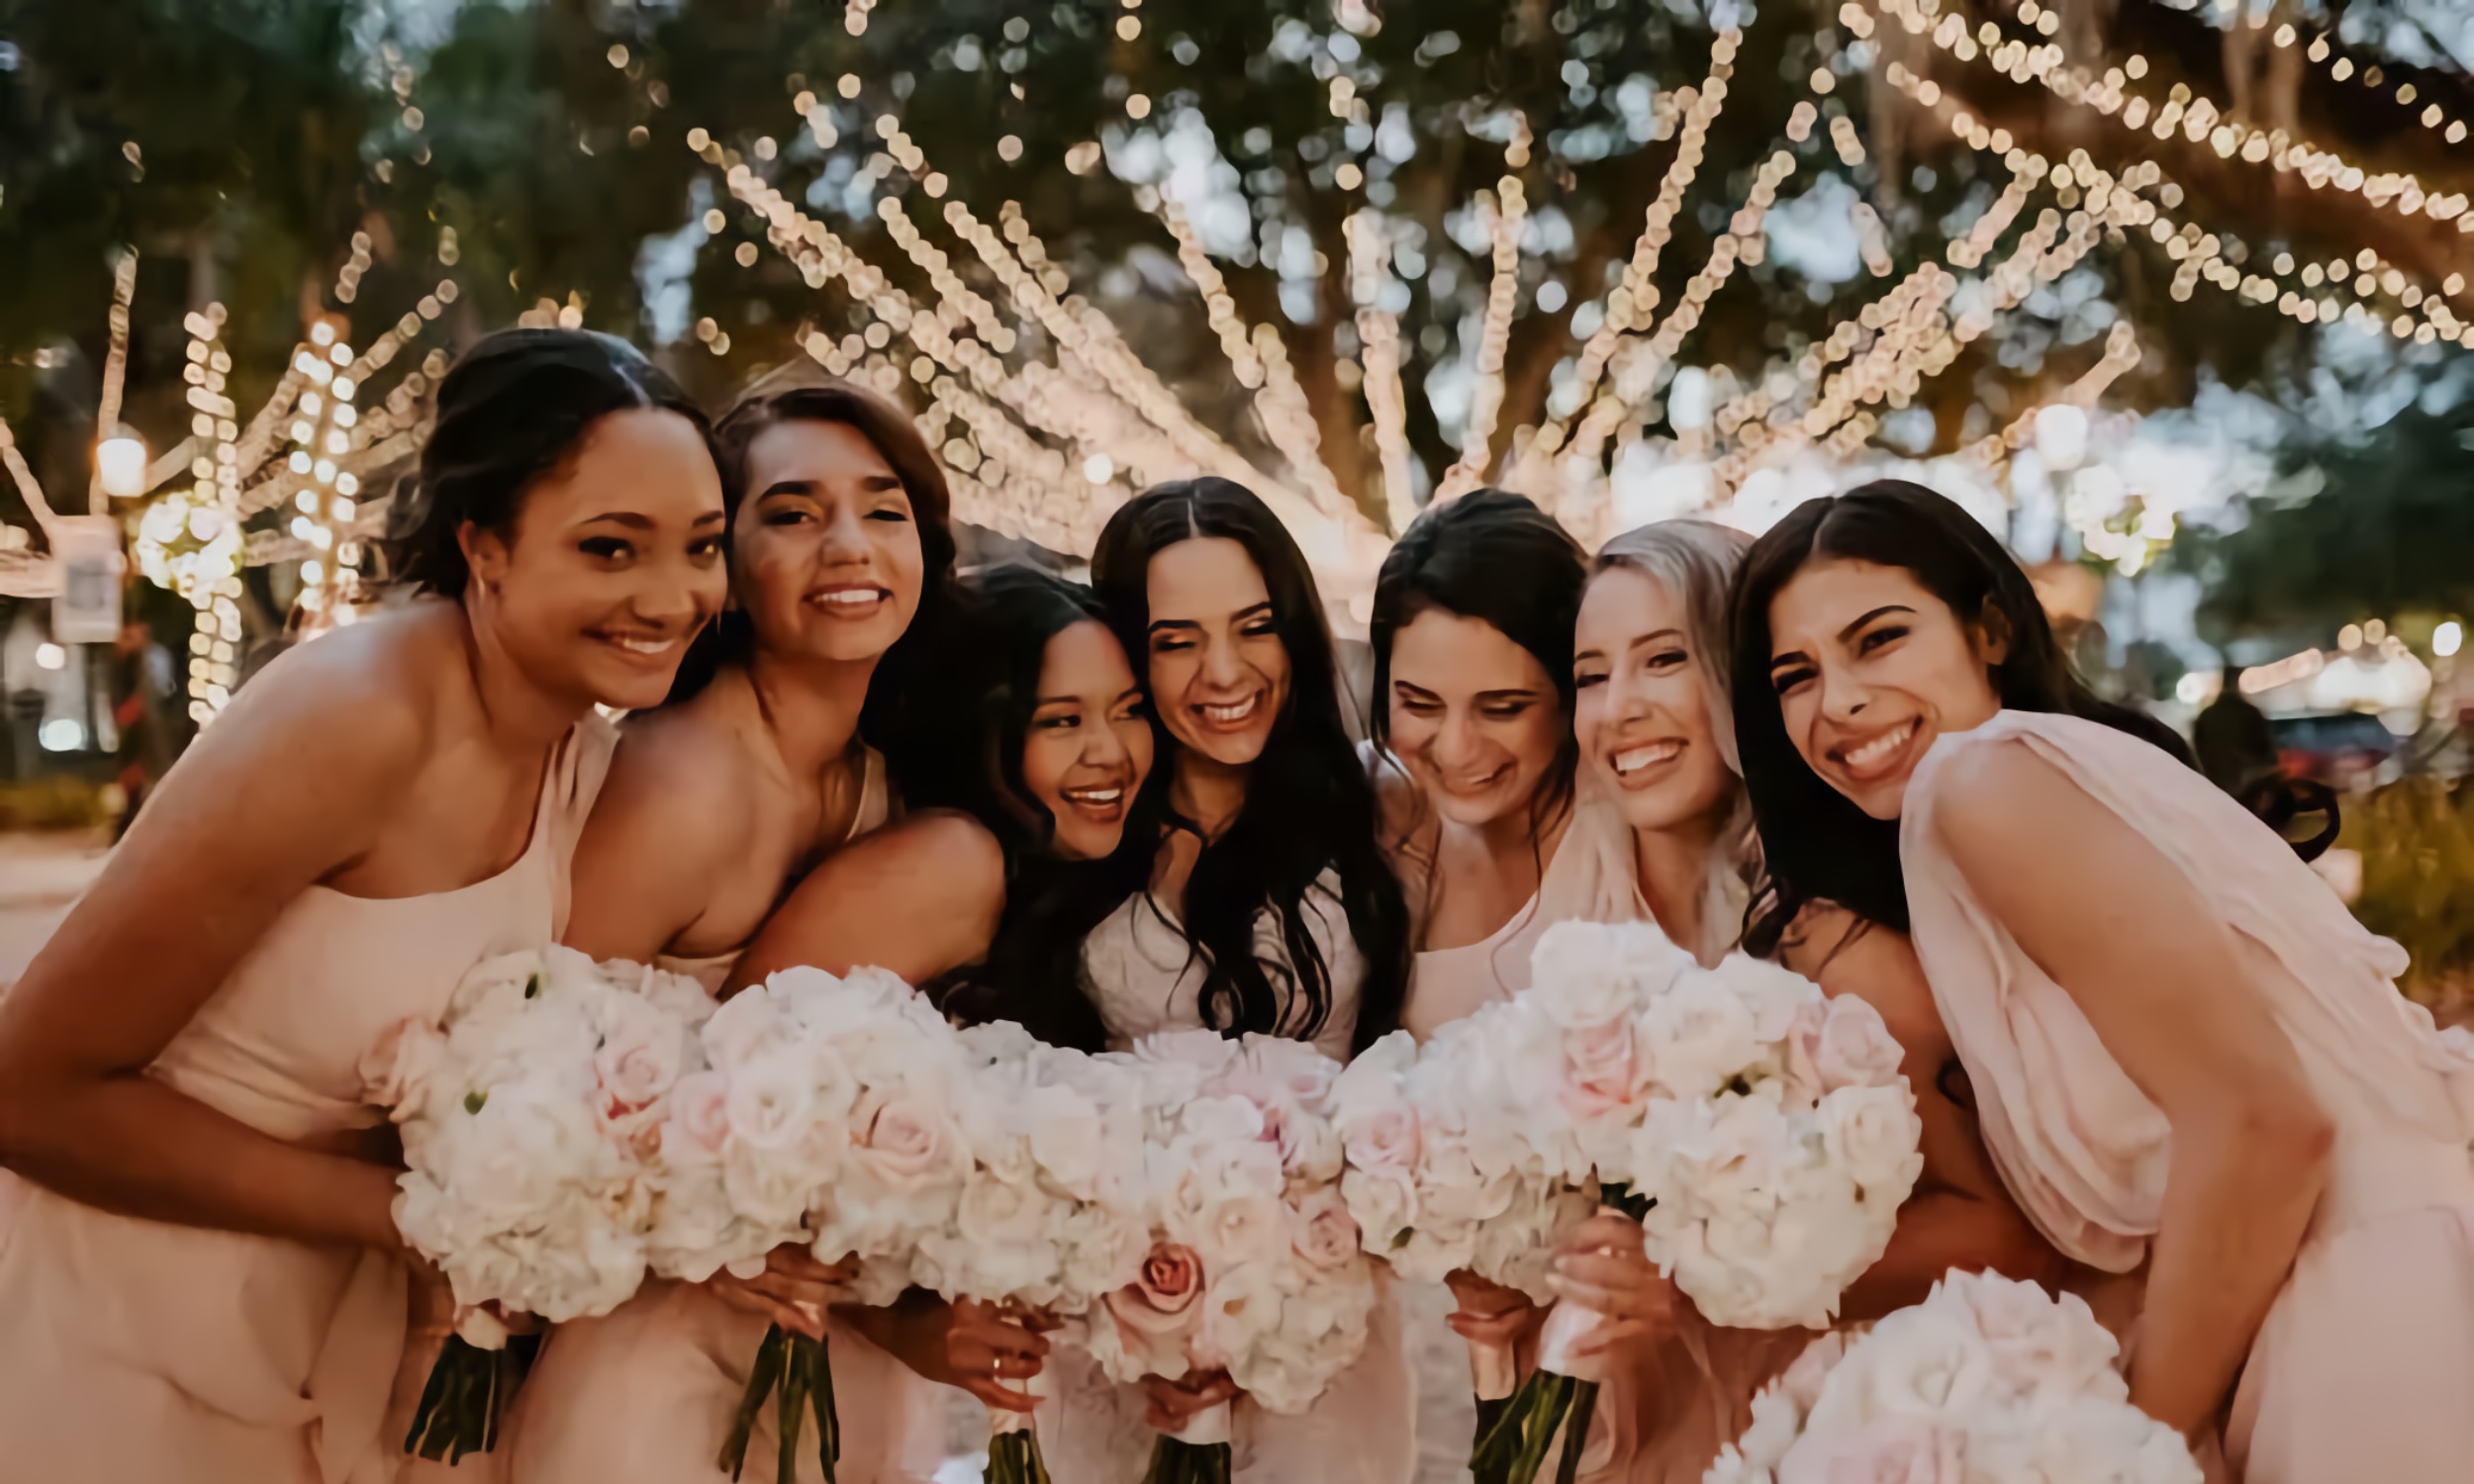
[901, 1142]
[1856, 1049]
[2036, 1343]
[1157, 1312]
[639, 1059]
[1890, 1450]
[1601, 1069]
[700, 1118]
[1325, 1235]
[1386, 1138]
[396, 1073]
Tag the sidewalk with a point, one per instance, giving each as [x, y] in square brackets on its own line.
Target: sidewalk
[41, 876]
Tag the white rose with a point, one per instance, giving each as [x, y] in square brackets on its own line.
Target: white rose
[518, 1149]
[1588, 974]
[1239, 1304]
[1922, 1361]
[2038, 1345]
[1067, 1136]
[1872, 1133]
[1856, 1049]
[771, 1191]
[1699, 1035]
[771, 1101]
[1385, 1203]
[1771, 993]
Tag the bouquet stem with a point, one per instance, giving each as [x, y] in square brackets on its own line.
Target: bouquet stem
[1197, 1453]
[799, 1371]
[1512, 1445]
[1013, 1443]
[470, 1387]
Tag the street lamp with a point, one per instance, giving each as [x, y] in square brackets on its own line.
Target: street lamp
[119, 462]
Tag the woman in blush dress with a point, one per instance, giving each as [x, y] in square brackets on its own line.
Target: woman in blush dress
[2185, 1052]
[717, 802]
[200, 1278]
[1660, 830]
[1042, 744]
[1250, 895]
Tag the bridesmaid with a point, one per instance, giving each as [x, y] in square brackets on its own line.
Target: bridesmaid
[1250, 895]
[1658, 803]
[718, 803]
[199, 1275]
[1050, 744]
[2187, 1052]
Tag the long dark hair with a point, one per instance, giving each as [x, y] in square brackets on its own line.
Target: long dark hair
[1816, 844]
[1309, 806]
[1498, 558]
[1031, 973]
[800, 393]
[510, 412]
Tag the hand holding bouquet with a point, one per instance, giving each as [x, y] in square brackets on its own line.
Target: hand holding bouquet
[532, 1123]
[1252, 1265]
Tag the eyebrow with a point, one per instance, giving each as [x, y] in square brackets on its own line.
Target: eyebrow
[870, 484]
[1852, 630]
[1654, 636]
[1240, 616]
[629, 518]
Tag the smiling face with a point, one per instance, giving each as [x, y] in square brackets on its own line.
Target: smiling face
[1870, 668]
[614, 562]
[1089, 748]
[1643, 716]
[829, 562]
[1475, 716]
[1219, 673]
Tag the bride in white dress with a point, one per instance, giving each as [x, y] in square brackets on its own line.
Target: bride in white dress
[1264, 906]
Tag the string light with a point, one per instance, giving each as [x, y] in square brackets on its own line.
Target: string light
[2432, 115]
[1503, 216]
[2198, 118]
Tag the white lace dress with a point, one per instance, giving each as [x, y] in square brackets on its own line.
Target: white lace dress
[1361, 1431]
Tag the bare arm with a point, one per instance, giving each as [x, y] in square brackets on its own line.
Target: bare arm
[921, 899]
[1960, 1215]
[294, 783]
[663, 825]
[2124, 931]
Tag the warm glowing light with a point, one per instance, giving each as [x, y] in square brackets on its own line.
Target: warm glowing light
[121, 464]
[2448, 638]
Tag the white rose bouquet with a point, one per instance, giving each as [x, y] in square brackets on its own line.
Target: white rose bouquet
[531, 1121]
[1987, 1379]
[1052, 1215]
[832, 1115]
[1254, 1263]
[1759, 1131]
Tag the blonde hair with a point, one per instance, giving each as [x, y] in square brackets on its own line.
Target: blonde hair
[1696, 561]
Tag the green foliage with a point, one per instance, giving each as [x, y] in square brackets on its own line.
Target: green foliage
[2417, 842]
[2389, 532]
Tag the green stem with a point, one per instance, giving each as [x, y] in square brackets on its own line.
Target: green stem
[1577, 1430]
[1014, 1458]
[763, 1379]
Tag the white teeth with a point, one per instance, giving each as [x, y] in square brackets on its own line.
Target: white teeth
[1099, 797]
[1237, 712]
[634, 645]
[1634, 758]
[1875, 750]
[851, 596]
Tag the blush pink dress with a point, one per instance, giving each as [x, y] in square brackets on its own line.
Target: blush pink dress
[2365, 1366]
[645, 1394]
[137, 1349]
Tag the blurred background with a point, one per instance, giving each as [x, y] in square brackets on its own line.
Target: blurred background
[2167, 291]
